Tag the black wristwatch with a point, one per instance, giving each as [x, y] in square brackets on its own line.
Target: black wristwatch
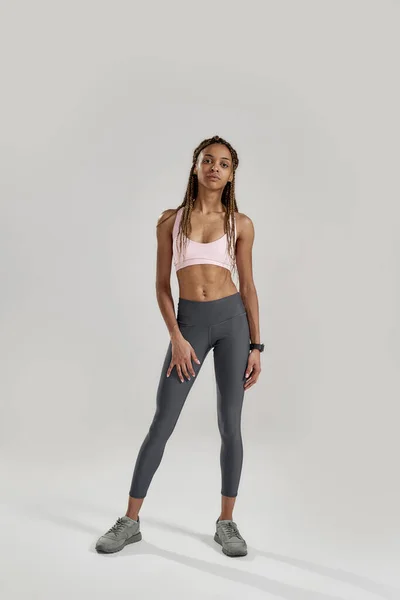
[259, 347]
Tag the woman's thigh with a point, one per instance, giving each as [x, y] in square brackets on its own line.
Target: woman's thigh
[171, 391]
[230, 339]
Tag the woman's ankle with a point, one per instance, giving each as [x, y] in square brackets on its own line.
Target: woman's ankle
[132, 516]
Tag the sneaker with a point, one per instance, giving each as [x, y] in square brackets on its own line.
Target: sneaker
[124, 531]
[228, 536]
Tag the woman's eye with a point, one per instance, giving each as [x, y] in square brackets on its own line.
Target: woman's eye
[224, 164]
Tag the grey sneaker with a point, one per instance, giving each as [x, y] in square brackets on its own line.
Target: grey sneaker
[228, 536]
[124, 531]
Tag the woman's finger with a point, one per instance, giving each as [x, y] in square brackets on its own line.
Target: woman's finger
[248, 374]
[178, 368]
[184, 369]
[194, 356]
[251, 380]
[190, 368]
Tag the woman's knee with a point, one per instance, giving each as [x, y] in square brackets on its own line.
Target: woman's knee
[230, 429]
[160, 430]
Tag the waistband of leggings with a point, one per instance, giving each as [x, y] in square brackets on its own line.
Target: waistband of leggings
[209, 312]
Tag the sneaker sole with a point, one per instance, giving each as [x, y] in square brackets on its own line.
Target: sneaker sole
[216, 538]
[135, 538]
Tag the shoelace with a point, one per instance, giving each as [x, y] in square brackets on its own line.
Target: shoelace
[119, 524]
[231, 530]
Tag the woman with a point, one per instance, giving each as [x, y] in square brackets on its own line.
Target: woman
[206, 238]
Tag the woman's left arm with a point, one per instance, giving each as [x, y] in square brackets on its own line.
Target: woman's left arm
[248, 292]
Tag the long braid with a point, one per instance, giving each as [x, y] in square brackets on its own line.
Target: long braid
[228, 199]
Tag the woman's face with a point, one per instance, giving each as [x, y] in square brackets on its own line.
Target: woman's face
[214, 159]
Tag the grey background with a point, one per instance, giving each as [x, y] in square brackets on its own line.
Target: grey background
[102, 105]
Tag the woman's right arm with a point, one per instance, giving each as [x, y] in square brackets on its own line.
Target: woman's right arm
[182, 350]
[165, 300]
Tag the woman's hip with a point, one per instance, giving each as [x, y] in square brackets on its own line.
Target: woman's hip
[209, 312]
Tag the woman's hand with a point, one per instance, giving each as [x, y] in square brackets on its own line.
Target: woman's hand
[253, 369]
[182, 355]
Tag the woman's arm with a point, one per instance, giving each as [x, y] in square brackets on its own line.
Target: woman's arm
[182, 351]
[165, 300]
[244, 261]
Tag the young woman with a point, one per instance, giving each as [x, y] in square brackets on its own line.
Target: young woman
[207, 239]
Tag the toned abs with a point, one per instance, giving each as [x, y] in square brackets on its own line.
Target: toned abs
[205, 282]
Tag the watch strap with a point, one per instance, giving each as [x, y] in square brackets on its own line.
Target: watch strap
[259, 347]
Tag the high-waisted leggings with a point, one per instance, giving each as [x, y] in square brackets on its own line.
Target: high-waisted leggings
[222, 325]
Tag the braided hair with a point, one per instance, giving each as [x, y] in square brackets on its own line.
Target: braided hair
[228, 199]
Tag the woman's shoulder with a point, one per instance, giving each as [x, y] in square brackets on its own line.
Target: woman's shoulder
[243, 218]
[166, 217]
[244, 224]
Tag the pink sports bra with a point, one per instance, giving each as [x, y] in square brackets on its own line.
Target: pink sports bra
[197, 253]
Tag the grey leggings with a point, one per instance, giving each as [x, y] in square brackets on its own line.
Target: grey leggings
[220, 324]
